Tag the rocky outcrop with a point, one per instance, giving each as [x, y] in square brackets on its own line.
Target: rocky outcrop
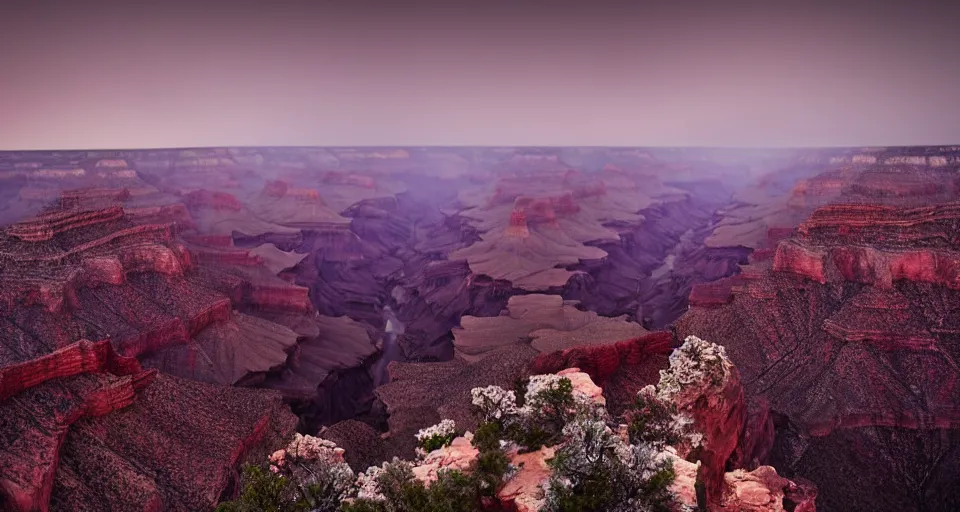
[620, 368]
[71, 403]
[763, 490]
[81, 357]
[697, 371]
[703, 383]
[546, 322]
[420, 394]
[522, 492]
[845, 332]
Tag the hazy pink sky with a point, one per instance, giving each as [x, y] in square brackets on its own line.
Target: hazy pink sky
[163, 74]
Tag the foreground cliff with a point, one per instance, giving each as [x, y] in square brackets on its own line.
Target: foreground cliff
[559, 450]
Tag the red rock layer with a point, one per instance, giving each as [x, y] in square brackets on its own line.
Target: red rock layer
[917, 244]
[80, 357]
[177, 447]
[104, 274]
[38, 420]
[620, 368]
[840, 333]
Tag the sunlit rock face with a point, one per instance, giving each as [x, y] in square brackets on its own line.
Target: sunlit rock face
[546, 322]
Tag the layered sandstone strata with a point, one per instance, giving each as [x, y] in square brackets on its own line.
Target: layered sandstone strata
[848, 333]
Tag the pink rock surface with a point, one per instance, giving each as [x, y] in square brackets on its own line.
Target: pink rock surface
[457, 456]
[523, 492]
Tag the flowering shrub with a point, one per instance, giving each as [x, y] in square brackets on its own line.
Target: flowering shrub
[549, 403]
[435, 437]
[694, 364]
[392, 487]
[309, 474]
[656, 422]
[596, 470]
[494, 403]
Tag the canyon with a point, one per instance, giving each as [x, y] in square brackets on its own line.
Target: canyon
[169, 314]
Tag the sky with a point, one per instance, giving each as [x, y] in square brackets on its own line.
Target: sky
[112, 75]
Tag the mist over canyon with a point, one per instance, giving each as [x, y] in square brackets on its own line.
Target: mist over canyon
[170, 314]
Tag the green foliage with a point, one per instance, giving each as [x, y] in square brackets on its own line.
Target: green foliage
[651, 421]
[362, 505]
[488, 435]
[437, 441]
[394, 479]
[550, 410]
[452, 491]
[554, 404]
[520, 389]
[595, 471]
[488, 471]
[613, 487]
[530, 435]
[656, 490]
[590, 495]
[262, 491]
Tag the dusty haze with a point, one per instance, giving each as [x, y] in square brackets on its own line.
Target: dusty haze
[168, 74]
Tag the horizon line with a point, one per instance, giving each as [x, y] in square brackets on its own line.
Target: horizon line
[484, 146]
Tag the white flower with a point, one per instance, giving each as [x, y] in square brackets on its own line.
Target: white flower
[696, 362]
[494, 402]
[540, 383]
[313, 448]
[443, 429]
[368, 487]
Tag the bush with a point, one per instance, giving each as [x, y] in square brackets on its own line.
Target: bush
[363, 505]
[397, 490]
[653, 421]
[309, 474]
[549, 406]
[452, 491]
[489, 470]
[261, 490]
[488, 436]
[437, 436]
[594, 470]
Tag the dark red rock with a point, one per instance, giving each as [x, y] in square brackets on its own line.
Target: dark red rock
[156, 440]
[620, 368]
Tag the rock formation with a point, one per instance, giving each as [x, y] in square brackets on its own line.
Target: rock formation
[697, 371]
[847, 332]
[546, 322]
